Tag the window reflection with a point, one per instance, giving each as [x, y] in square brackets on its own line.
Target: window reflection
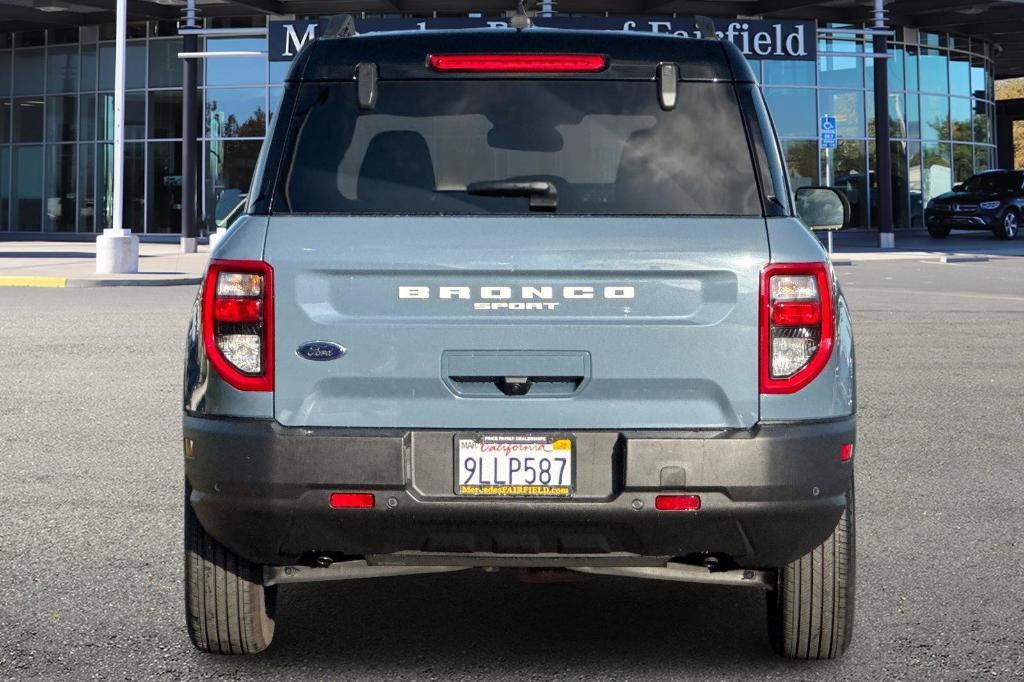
[28, 119]
[793, 111]
[906, 202]
[236, 70]
[60, 188]
[982, 122]
[86, 187]
[87, 68]
[27, 188]
[779, 72]
[960, 75]
[847, 164]
[229, 168]
[134, 61]
[5, 121]
[134, 116]
[61, 118]
[961, 119]
[236, 112]
[963, 162]
[29, 71]
[840, 72]
[848, 108]
[165, 114]
[133, 215]
[62, 69]
[165, 69]
[164, 202]
[5, 187]
[936, 170]
[5, 74]
[801, 162]
[982, 159]
[87, 117]
[934, 117]
[897, 114]
[934, 67]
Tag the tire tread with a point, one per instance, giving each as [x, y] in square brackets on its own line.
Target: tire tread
[228, 610]
[810, 613]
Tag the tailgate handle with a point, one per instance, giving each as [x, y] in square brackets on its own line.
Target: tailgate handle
[497, 374]
[513, 386]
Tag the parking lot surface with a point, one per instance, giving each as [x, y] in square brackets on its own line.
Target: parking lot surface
[91, 493]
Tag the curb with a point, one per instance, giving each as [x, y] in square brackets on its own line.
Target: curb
[91, 283]
[963, 259]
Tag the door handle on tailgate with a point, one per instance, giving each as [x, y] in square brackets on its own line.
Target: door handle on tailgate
[496, 374]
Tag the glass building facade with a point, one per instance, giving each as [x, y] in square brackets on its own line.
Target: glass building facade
[56, 123]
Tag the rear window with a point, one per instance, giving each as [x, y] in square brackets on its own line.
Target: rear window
[465, 146]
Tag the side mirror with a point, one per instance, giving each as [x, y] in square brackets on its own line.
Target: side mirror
[822, 208]
[958, 188]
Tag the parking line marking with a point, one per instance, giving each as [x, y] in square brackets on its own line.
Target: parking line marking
[32, 281]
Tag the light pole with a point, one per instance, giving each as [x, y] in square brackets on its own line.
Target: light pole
[883, 150]
[117, 249]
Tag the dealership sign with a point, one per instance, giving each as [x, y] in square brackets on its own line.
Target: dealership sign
[756, 38]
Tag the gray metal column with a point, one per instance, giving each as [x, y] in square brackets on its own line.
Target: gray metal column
[189, 131]
[883, 149]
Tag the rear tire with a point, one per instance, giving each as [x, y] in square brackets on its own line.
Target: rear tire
[1009, 225]
[810, 613]
[227, 608]
[938, 232]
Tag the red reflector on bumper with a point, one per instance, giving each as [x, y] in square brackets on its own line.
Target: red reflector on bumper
[351, 500]
[846, 452]
[518, 63]
[677, 502]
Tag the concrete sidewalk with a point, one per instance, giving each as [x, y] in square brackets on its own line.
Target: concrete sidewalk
[73, 264]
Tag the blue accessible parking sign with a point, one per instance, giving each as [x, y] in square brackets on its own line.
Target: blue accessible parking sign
[827, 132]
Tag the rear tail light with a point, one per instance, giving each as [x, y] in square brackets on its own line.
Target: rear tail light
[238, 322]
[518, 63]
[797, 325]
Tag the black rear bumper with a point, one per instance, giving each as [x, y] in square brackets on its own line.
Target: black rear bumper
[768, 495]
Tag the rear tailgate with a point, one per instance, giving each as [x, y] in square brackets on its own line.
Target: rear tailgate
[618, 323]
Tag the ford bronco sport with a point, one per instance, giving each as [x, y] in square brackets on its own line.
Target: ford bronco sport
[532, 299]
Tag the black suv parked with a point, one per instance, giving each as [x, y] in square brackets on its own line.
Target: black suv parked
[993, 200]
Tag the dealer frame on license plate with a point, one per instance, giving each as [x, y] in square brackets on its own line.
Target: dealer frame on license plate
[515, 465]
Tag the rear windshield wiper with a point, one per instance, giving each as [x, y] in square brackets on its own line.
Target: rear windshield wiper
[543, 195]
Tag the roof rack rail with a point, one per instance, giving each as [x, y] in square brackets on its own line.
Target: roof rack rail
[339, 26]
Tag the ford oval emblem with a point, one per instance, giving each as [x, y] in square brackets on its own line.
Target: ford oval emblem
[320, 351]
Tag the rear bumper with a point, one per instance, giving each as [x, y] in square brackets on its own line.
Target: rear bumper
[768, 495]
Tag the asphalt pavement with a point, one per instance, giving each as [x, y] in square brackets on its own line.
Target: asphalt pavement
[91, 503]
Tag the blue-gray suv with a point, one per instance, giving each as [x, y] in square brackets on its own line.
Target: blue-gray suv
[529, 299]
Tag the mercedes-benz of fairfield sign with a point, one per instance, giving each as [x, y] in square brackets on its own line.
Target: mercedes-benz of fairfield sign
[757, 38]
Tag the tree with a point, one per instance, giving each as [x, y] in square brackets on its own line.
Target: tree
[1014, 89]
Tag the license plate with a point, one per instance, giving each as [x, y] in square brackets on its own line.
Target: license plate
[514, 465]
